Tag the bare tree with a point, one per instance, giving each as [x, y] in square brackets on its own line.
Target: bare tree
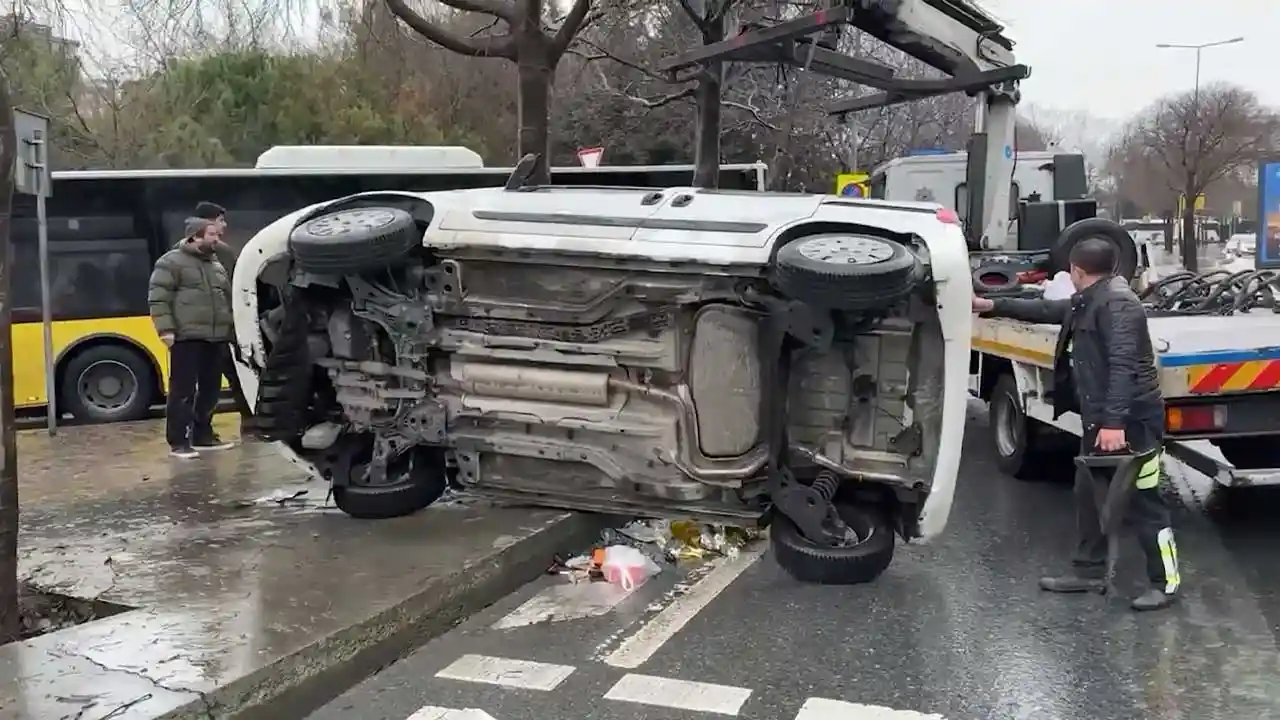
[1193, 139]
[527, 41]
[10, 622]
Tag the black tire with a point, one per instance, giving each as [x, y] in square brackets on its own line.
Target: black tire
[1250, 453]
[845, 271]
[348, 242]
[107, 383]
[1022, 445]
[1081, 230]
[420, 483]
[860, 563]
[285, 383]
[994, 278]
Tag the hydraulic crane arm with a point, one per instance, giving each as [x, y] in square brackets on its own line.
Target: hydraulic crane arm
[956, 37]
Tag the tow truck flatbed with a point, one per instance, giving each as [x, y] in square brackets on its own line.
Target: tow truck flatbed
[1223, 368]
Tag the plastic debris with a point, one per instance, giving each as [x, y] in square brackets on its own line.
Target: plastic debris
[626, 566]
[680, 540]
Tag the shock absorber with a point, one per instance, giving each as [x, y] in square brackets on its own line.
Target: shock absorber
[826, 484]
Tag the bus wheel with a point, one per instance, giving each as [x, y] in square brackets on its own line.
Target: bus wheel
[107, 383]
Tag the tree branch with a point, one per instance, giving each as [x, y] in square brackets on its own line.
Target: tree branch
[490, 46]
[573, 22]
[497, 8]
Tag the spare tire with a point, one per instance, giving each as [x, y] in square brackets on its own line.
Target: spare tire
[1081, 230]
[844, 271]
[348, 242]
[994, 278]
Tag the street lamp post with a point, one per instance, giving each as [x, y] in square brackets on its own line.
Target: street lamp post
[1199, 49]
[1189, 244]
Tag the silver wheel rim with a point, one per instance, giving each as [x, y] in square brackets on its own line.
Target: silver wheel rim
[343, 223]
[846, 250]
[1008, 433]
[107, 385]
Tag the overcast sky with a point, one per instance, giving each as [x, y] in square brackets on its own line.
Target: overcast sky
[1100, 55]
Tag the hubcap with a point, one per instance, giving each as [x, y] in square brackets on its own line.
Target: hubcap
[343, 223]
[846, 250]
[107, 385]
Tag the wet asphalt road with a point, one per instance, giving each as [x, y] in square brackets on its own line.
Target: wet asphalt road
[956, 630]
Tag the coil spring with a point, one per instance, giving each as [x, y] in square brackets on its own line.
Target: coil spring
[826, 484]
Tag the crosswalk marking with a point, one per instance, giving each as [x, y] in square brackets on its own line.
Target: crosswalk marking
[431, 712]
[650, 690]
[679, 694]
[565, 602]
[823, 709]
[637, 649]
[490, 670]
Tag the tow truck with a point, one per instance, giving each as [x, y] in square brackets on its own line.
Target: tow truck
[1220, 373]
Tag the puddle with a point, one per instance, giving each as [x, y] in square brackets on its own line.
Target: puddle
[45, 612]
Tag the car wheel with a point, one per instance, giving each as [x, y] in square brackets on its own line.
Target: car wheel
[414, 480]
[859, 562]
[285, 383]
[107, 383]
[348, 242]
[846, 271]
[1114, 233]
[1021, 444]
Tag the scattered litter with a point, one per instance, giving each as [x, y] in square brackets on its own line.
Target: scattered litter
[647, 546]
[627, 567]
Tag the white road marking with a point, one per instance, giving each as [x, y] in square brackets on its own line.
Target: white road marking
[639, 647]
[524, 674]
[823, 709]
[565, 602]
[431, 712]
[679, 694]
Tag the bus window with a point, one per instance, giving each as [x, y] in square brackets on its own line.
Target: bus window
[99, 257]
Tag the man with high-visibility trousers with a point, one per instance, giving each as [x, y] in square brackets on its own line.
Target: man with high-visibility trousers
[1104, 369]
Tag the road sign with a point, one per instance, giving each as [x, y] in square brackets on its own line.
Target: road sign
[853, 184]
[31, 177]
[590, 157]
[1182, 203]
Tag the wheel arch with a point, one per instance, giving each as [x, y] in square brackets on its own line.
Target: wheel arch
[992, 367]
[106, 339]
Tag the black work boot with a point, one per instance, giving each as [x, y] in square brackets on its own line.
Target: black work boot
[1153, 599]
[1073, 583]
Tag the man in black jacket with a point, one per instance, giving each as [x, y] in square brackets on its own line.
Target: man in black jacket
[1104, 369]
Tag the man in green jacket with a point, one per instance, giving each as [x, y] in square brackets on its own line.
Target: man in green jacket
[190, 298]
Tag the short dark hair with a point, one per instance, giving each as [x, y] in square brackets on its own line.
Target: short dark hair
[206, 210]
[1094, 256]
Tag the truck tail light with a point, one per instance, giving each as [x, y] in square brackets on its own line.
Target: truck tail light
[1195, 418]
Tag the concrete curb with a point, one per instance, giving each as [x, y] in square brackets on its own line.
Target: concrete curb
[296, 685]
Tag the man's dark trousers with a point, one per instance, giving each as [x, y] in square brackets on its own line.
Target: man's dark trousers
[1147, 512]
[195, 380]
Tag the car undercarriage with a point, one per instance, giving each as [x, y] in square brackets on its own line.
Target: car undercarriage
[808, 389]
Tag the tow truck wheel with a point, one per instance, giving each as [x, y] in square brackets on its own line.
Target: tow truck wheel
[1019, 441]
[844, 271]
[849, 564]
